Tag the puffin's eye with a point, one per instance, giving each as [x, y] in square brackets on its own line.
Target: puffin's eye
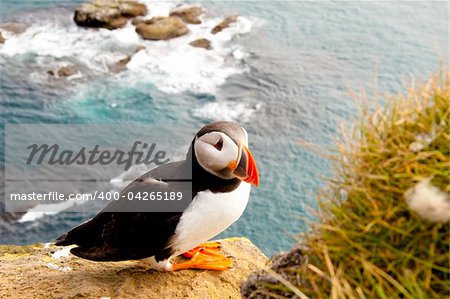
[219, 144]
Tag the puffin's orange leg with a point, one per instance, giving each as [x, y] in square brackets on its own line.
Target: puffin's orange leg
[214, 245]
[207, 259]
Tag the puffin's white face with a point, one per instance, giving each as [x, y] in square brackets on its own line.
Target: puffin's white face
[226, 157]
[215, 151]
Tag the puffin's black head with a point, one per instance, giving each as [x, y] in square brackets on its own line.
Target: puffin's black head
[221, 148]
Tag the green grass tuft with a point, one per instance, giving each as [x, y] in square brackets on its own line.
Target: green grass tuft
[367, 243]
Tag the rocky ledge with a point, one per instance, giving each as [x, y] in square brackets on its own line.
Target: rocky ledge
[261, 284]
[43, 271]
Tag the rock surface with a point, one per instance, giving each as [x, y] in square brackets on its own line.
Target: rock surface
[224, 24]
[261, 284]
[110, 14]
[15, 28]
[139, 48]
[65, 71]
[2, 39]
[201, 43]
[189, 15]
[32, 271]
[161, 28]
[120, 65]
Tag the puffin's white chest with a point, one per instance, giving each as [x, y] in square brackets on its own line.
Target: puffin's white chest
[208, 215]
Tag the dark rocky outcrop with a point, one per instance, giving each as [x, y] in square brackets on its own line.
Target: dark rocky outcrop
[110, 14]
[2, 39]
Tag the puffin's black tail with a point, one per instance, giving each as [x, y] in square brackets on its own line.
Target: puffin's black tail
[86, 234]
[63, 240]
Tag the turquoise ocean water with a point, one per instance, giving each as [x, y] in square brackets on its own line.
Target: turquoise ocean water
[299, 59]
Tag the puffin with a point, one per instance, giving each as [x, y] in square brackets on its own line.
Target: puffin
[222, 171]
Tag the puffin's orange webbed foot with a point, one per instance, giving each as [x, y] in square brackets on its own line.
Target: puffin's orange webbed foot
[206, 257]
[212, 246]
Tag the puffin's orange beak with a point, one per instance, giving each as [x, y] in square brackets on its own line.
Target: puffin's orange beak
[246, 169]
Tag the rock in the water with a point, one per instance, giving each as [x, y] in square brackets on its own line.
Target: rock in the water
[120, 65]
[2, 39]
[132, 9]
[89, 15]
[138, 20]
[14, 28]
[110, 14]
[32, 271]
[189, 15]
[139, 48]
[224, 24]
[201, 43]
[161, 28]
[65, 71]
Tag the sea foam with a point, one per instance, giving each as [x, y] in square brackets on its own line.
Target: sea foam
[229, 111]
[42, 210]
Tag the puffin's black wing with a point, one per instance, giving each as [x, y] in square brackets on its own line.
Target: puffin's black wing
[115, 236]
